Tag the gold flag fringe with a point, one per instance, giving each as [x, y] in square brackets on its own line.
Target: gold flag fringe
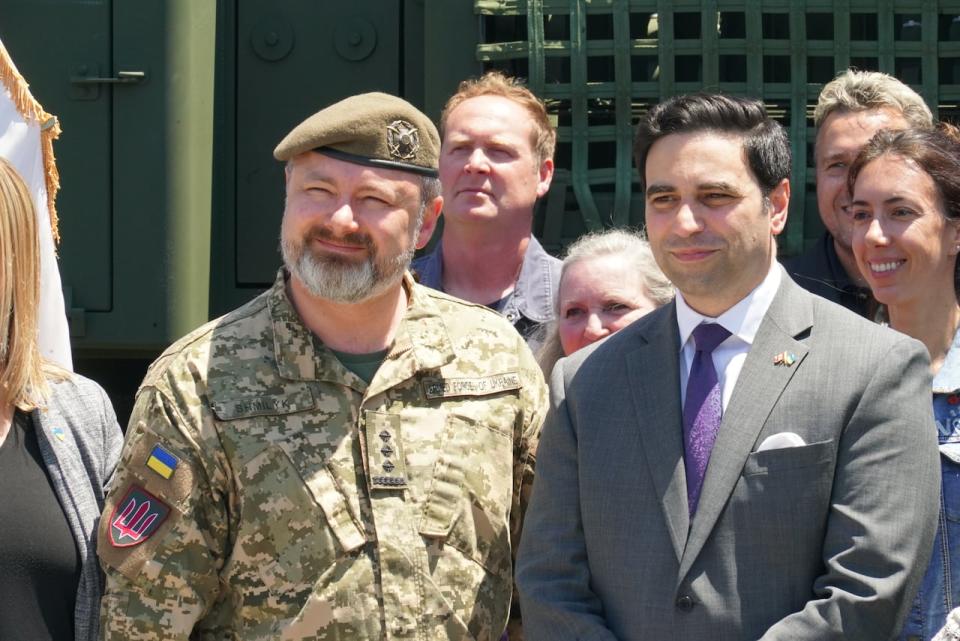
[30, 109]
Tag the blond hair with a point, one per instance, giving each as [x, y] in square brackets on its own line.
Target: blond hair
[855, 90]
[495, 83]
[638, 256]
[22, 370]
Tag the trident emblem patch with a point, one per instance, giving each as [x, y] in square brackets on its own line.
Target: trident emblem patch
[136, 517]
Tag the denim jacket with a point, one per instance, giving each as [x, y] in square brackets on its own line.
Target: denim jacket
[531, 304]
[940, 589]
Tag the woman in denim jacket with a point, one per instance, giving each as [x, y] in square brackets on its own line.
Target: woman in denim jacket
[906, 211]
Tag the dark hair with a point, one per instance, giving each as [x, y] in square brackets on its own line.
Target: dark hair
[935, 151]
[764, 140]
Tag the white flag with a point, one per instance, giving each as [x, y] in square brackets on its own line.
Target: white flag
[26, 136]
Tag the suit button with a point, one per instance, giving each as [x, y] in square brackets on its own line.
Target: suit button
[684, 603]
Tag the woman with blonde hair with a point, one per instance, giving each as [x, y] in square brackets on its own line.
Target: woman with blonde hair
[59, 444]
[608, 280]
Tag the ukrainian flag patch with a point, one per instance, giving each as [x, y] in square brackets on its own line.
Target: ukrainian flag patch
[162, 462]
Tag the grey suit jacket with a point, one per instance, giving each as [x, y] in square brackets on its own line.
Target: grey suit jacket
[80, 443]
[824, 541]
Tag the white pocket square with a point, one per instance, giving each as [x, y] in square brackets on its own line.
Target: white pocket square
[780, 441]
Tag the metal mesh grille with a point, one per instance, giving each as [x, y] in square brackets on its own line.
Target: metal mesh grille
[600, 64]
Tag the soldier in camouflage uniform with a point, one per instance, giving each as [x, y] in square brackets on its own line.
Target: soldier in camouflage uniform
[348, 455]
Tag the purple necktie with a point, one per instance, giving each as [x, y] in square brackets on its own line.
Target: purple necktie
[702, 409]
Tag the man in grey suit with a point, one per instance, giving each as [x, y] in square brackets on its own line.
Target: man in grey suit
[749, 462]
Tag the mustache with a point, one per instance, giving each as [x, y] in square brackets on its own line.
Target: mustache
[354, 238]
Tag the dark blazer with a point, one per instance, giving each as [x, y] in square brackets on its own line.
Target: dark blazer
[823, 541]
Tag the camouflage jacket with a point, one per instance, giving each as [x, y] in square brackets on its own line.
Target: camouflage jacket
[266, 492]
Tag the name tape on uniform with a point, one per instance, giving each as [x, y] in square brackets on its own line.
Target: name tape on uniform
[444, 387]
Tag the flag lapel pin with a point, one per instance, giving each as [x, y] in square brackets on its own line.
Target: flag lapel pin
[785, 358]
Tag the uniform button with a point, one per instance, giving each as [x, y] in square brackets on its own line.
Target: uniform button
[684, 603]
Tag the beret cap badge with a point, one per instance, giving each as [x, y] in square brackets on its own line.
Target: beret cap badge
[373, 129]
[403, 140]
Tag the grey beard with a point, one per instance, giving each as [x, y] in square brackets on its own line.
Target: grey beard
[342, 282]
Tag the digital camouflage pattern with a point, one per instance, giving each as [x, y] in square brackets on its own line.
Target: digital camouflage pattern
[307, 505]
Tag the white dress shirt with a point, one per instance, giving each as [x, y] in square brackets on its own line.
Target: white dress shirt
[742, 321]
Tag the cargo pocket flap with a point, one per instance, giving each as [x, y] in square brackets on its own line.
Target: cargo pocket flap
[446, 491]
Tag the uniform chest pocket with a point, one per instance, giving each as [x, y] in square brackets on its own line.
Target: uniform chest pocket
[470, 499]
[295, 526]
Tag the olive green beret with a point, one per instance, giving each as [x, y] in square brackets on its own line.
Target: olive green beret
[374, 129]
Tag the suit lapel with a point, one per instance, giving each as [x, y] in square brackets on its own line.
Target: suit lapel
[759, 386]
[653, 370]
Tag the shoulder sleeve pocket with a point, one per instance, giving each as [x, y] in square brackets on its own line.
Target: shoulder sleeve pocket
[148, 497]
